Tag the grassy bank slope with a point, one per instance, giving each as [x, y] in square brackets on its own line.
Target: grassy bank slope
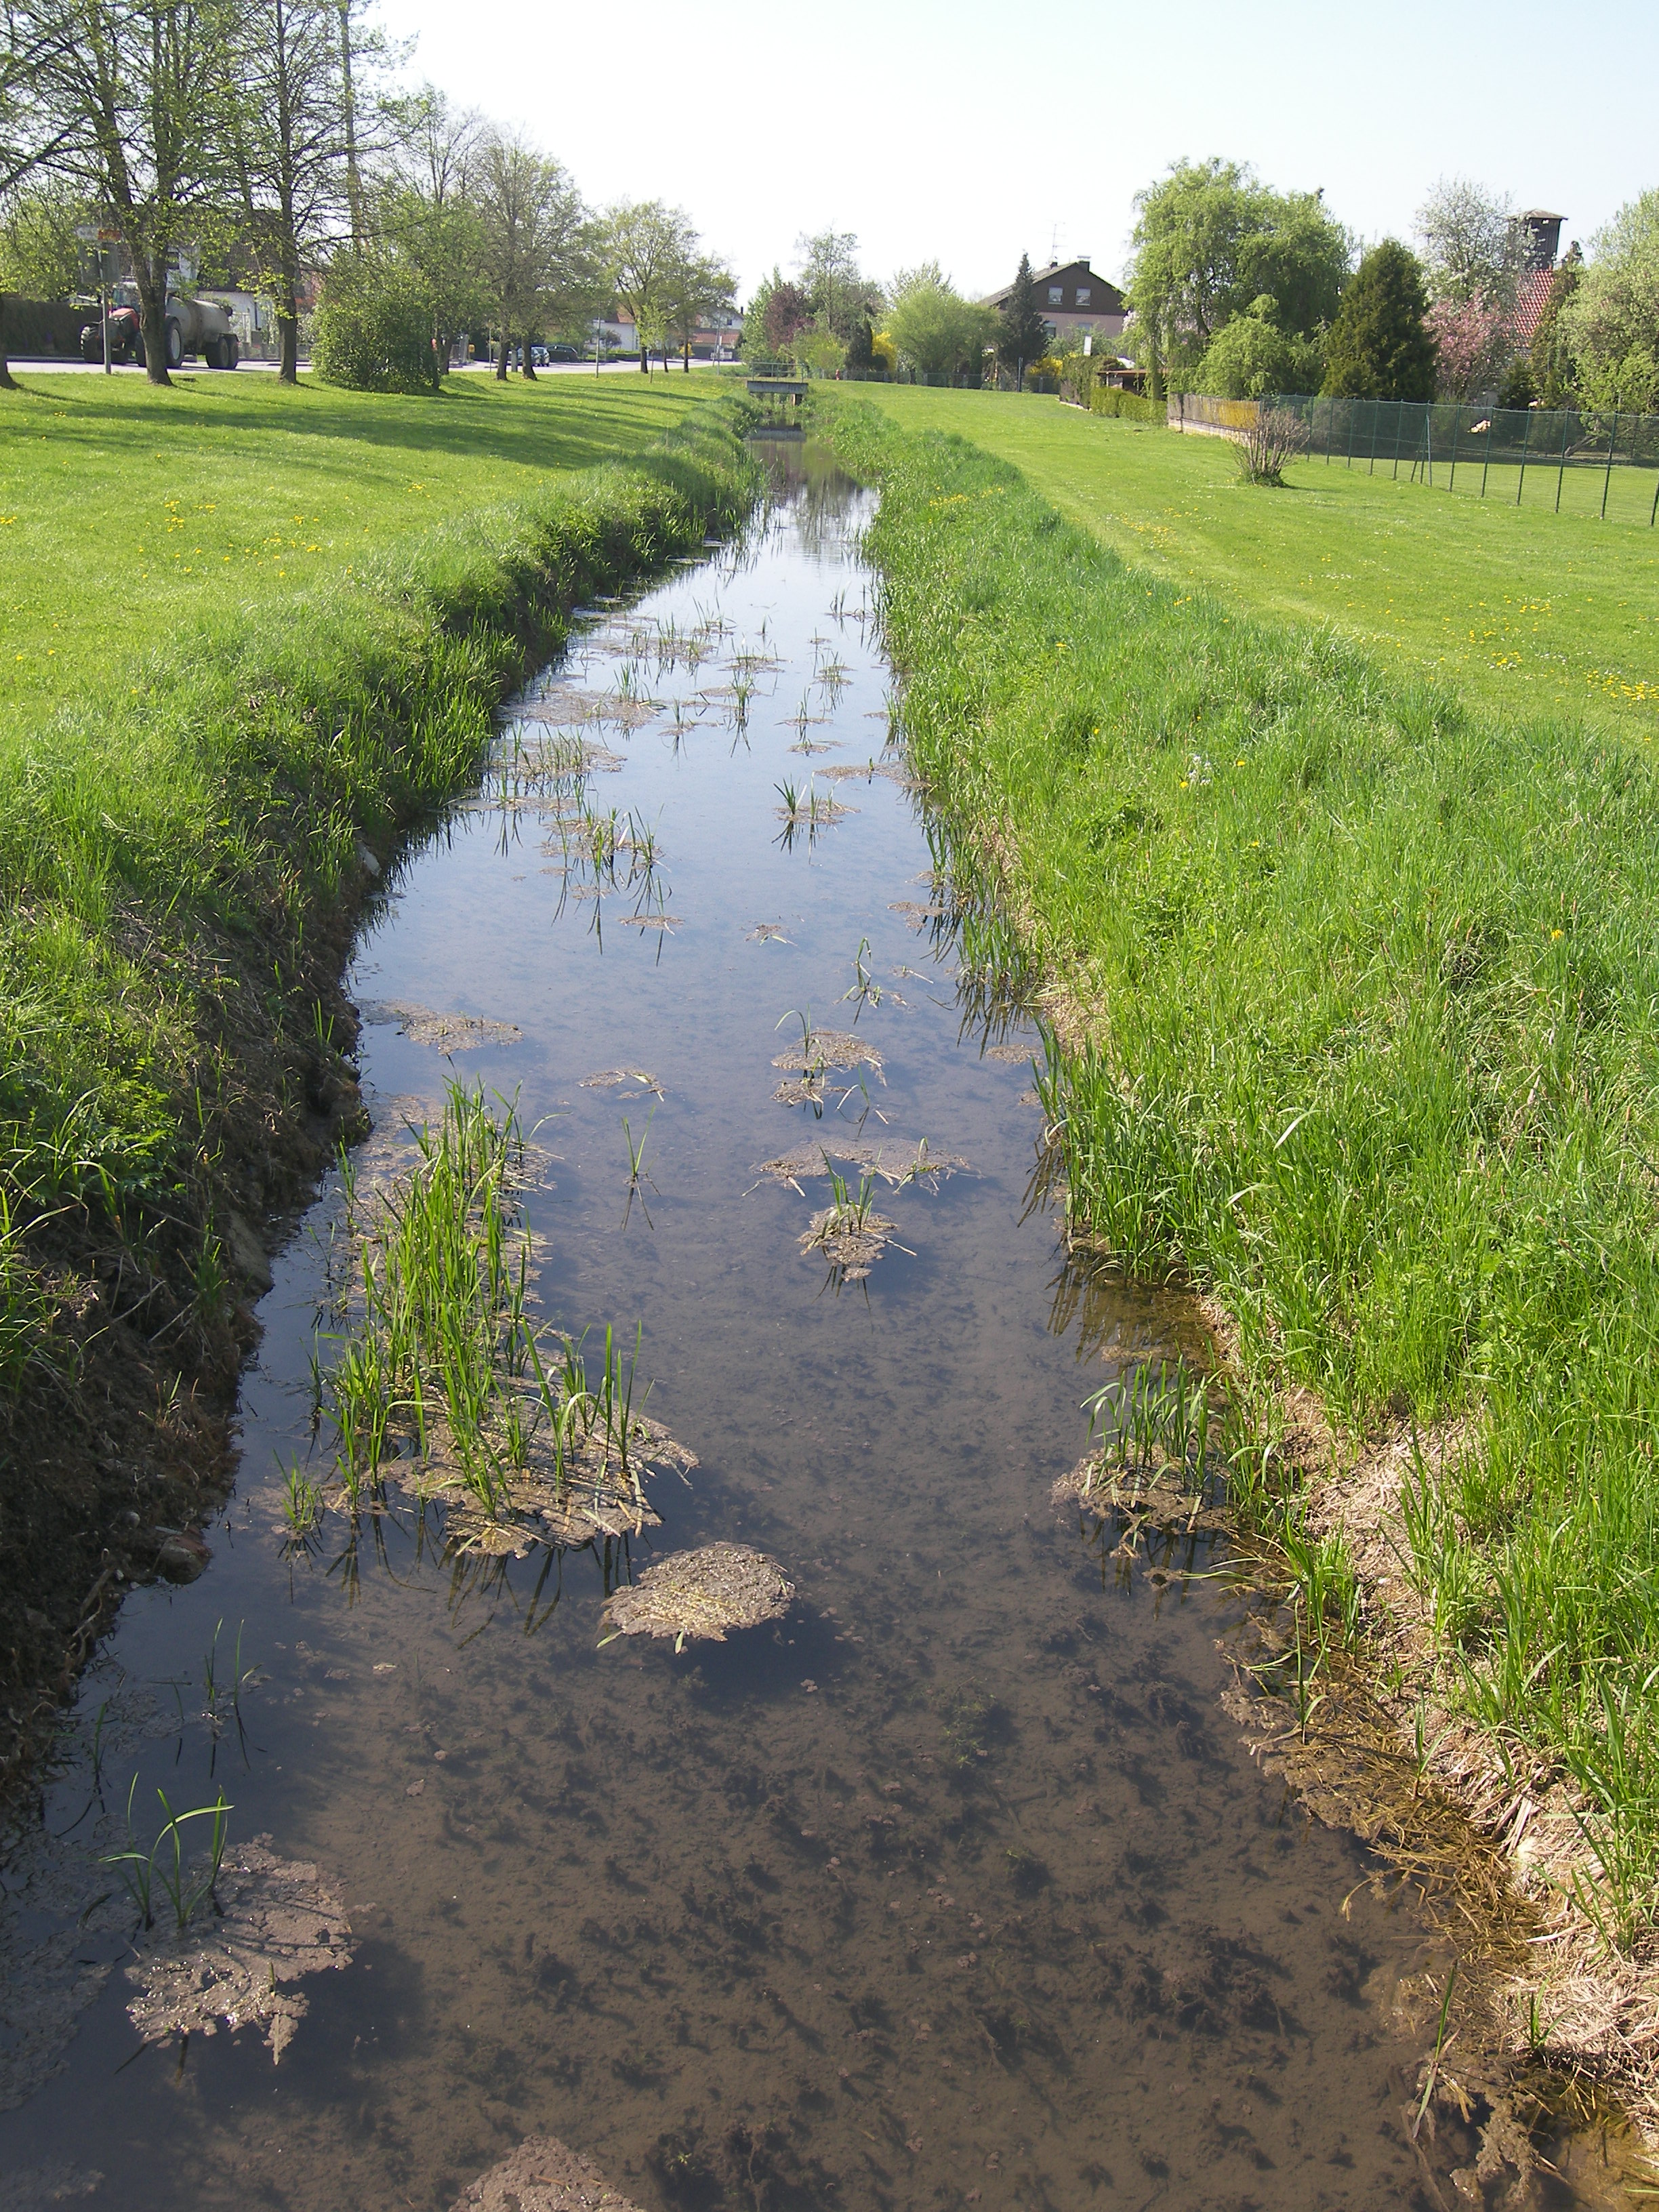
[182, 860]
[126, 513]
[1527, 610]
[1370, 986]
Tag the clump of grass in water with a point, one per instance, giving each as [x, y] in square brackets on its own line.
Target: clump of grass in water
[449, 1356]
[163, 1868]
[848, 1231]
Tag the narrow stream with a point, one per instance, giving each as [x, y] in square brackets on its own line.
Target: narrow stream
[956, 1889]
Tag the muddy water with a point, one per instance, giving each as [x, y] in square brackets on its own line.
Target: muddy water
[956, 1889]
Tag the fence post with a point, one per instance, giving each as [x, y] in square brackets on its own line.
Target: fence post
[1376, 420]
[1608, 479]
[1520, 481]
[1562, 471]
[1400, 407]
[1353, 418]
[1457, 410]
[1428, 439]
[1485, 459]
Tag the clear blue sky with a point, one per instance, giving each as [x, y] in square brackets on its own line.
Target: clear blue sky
[966, 132]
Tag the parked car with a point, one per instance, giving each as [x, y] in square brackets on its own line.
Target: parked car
[562, 352]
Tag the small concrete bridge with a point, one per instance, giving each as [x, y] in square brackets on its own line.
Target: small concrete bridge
[778, 387]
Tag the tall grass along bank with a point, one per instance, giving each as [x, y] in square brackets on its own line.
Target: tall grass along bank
[1356, 990]
[184, 856]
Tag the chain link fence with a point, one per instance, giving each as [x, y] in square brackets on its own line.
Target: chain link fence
[1571, 460]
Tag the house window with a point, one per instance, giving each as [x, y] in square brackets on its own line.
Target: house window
[1056, 295]
[1083, 295]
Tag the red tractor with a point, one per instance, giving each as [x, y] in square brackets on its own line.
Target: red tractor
[193, 326]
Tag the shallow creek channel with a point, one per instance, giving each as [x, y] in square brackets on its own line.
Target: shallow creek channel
[955, 1888]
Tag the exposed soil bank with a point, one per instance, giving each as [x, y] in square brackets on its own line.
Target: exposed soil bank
[1351, 1004]
[187, 1066]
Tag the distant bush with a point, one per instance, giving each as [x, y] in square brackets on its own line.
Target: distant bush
[373, 328]
[1130, 406]
[1273, 440]
[1251, 356]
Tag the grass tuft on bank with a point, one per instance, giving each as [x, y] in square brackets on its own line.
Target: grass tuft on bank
[1370, 989]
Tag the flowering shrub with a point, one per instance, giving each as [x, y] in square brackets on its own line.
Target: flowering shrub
[1472, 341]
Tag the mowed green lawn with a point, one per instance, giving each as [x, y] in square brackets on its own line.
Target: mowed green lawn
[129, 514]
[1529, 610]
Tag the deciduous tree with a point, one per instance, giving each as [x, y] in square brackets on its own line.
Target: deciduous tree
[1473, 248]
[1209, 238]
[700, 287]
[138, 89]
[426, 211]
[535, 240]
[285, 106]
[940, 334]
[837, 293]
[1611, 321]
[1251, 357]
[643, 243]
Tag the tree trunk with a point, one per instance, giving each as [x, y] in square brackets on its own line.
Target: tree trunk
[288, 329]
[645, 360]
[505, 357]
[153, 316]
[7, 381]
[688, 357]
[529, 365]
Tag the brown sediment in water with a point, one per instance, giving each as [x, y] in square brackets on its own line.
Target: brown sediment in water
[823, 1049]
[447, 1033]
[608, 1078]
[233, 1965]
[851, 1239]
[542, 2175]
[697, 1596]
[894, 1161]
[561, 1493]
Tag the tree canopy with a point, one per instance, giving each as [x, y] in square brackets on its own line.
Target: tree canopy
[1252, 357]
[939, 332]
[1379, 346]
[1611, 319]
[1210, 238]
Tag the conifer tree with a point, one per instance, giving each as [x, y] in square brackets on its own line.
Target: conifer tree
[1023, 336]
[1379, 346]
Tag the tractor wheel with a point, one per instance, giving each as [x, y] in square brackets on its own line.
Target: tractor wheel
[212, 353]
[175, 345]
[232, 350]
[137, 355]
[92, 344]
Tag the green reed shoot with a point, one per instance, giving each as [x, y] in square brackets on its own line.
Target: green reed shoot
[163, 1865]
[446, 1345]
